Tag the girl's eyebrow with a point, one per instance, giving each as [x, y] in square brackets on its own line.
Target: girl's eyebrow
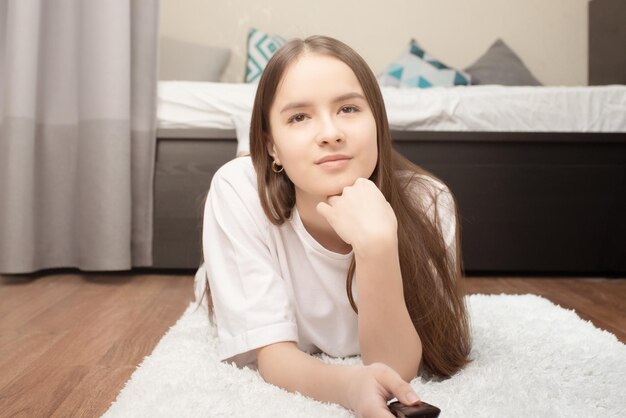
[297, 105]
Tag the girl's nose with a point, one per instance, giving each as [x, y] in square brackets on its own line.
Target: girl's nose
[329, 131]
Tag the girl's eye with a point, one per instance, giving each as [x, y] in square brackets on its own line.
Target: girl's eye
[297, 118]
[349, 109]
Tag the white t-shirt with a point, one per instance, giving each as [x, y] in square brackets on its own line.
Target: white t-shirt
[277, 283]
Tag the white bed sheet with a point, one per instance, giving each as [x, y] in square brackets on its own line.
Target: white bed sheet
[191, 105]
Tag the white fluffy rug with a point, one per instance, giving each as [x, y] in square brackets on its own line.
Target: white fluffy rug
[531, 358]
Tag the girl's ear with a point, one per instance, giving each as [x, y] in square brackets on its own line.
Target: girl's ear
[271, 149]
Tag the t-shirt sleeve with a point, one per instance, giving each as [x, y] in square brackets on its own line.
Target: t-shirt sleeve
[251, 303]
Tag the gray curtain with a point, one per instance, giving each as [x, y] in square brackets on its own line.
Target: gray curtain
[77, 133]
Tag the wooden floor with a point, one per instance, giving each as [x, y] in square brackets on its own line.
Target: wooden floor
[69, 341]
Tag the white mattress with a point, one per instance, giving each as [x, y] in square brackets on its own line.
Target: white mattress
[193, 105]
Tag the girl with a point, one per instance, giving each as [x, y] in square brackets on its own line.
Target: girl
[325, 239]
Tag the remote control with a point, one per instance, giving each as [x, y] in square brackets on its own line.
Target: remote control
[422, 410]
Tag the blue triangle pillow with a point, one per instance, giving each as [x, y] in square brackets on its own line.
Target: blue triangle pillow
[417, 68]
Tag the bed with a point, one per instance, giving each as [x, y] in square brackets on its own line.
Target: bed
[539, 173]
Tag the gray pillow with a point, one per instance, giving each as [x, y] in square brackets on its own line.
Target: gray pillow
[181, 60]
[500, 65]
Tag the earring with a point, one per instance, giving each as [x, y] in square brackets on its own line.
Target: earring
[274, 165]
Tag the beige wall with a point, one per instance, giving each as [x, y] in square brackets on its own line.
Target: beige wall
[549, 35]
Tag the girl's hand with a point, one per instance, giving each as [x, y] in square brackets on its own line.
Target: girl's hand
[361, 216]
[372, 386]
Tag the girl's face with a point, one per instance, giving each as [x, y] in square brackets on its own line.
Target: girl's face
[320, 111]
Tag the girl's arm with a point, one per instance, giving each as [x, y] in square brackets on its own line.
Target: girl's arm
[386, 332]
[364, 389]
[363, 218]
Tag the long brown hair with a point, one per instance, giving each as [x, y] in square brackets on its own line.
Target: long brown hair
[431, 275]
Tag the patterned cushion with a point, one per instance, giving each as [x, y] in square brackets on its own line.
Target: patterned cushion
[417, 68]
[261, 47]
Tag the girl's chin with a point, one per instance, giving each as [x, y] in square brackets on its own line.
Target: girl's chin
[320, 194]
[333, 191]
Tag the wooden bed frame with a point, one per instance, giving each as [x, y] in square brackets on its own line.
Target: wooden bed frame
[530, 203]
[607, 42]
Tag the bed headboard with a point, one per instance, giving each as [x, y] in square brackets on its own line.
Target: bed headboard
[607, 42]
